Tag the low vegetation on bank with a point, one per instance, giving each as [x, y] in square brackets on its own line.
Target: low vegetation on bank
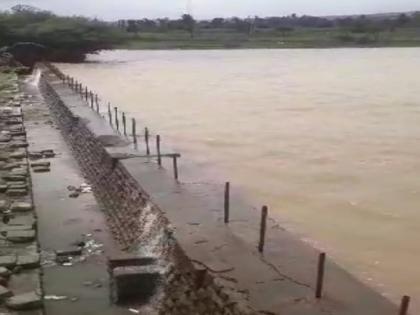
[274, 32]
[66, 39]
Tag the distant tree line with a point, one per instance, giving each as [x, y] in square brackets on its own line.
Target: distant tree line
[356, 24]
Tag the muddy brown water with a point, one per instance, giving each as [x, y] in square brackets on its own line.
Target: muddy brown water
[329, 139]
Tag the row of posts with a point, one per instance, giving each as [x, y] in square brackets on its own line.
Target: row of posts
[319, 284]
[92, 98]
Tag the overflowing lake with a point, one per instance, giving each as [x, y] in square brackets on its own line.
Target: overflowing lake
[329, 139]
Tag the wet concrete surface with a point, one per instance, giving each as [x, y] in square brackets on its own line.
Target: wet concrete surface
[83, 287]
[281, 281]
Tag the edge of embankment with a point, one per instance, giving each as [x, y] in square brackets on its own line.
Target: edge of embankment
[209, 267]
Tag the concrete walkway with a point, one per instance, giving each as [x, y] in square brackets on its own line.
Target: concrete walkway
[82, 287]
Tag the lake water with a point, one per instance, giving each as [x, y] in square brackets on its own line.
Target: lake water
[329, 139]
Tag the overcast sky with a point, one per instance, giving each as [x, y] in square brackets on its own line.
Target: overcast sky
[116, 9]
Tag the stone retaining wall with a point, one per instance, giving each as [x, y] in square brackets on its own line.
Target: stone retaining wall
[136, 222]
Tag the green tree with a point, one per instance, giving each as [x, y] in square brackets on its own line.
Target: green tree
[189, 24]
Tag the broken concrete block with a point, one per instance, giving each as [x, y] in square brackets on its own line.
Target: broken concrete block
[28, 261]
[41, 169]
[16, 192]
[4, 293]
[19, 144]
[18, 186]
[41, 164]
[27, 219]
[5, 229]
[136, 283]
[26, 301]
[48, 153]
[14, 178]
[3, 188]
[4, 272]
[21, 206]
[8, 261]
[3, 205]
[129, 260]
[20, 236]
[35, 155]
[18, 155]
[63, 255]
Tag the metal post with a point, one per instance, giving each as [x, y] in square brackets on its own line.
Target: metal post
[320, 275]
[117, 122]
[158, 150]
[405, 302]
[97, 103]
[227, 201]
[91, 100]
[146, 139]
[175, 164]
[124, 124]
[133, 125]
[110, 114]
[86, 94]
[263, 227]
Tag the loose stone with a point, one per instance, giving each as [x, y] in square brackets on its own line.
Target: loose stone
[4, 272]
[21, 206]
[20, 236]
[41, 164]
[8, 261]
[27, 301]
[28, 261]
[3, 205]
[5, 293]
[41, 169]
[16, 192]
[3, 188]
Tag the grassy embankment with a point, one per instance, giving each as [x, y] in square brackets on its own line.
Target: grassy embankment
[298, 38]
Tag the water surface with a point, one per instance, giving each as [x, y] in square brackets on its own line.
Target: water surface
[329, 139]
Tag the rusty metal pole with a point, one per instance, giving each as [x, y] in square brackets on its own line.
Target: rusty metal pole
[133, 125]
[227, 202]
[405, 303]
[320, 275]
[110, 114]
[124, 121]
[158, 150]
[117, 122]
[146, 139]
[92, 100]
[263, 227]
[175, 164]
[97, 103]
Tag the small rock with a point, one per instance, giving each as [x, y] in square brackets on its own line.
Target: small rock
[48, 153]
[3, 205]
[16, 192]
[4, 272]
[41, 169]
[28, 261]
[5, 292]
[35, 155]
[18, 155]
[27, 301]
[20, 236]
[3, 188]
[74, 194]
[8, 261]
[73, 251]
[14, 178]
[41, 164]
[21, 206]
[3, 282]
